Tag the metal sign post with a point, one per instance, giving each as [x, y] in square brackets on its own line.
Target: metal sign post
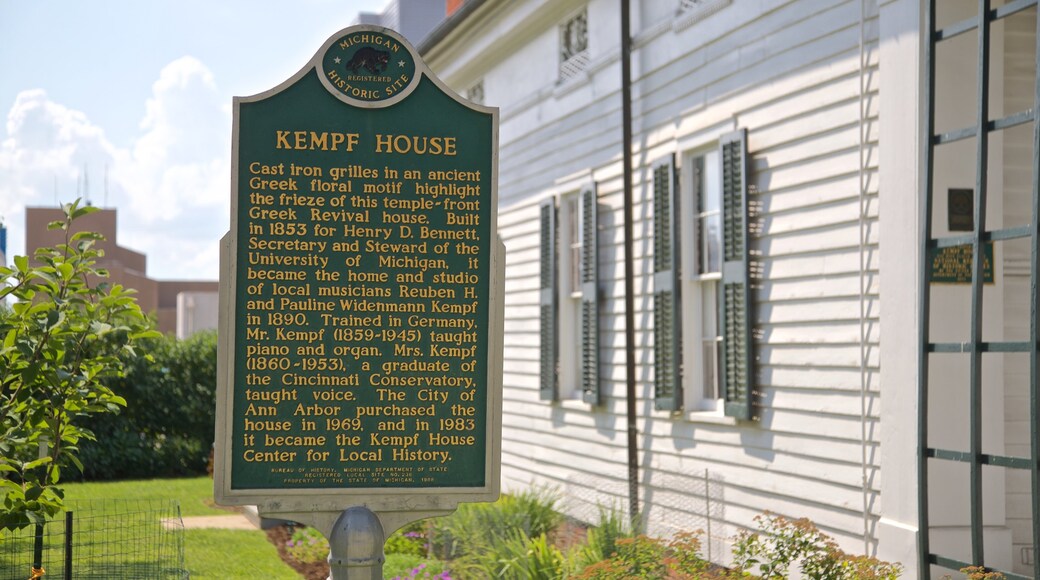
[361, 299]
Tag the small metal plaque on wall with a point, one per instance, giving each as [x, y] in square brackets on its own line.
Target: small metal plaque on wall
[961, 209]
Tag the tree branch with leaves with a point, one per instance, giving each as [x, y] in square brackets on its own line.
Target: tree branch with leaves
[61, 337]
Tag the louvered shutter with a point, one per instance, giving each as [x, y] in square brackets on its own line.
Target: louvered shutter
[734, 308]
[547, 302]
[590, 392]
[667, 325]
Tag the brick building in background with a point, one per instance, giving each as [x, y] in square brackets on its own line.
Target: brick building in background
[180, 306]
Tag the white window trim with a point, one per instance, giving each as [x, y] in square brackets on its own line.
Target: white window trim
[696, 406]
[568, 299]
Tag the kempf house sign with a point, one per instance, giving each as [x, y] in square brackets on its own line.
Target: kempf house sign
[361, 309]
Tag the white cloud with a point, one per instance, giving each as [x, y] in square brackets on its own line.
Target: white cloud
[171, 185]
[180, 161]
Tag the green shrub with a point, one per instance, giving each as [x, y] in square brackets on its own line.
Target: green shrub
[505, 539]
[478, 527]
[167, 427]
[307, 545]
[980, 573]
[601, 539]
[515, 556]
[409, 540]
[412, 567]
[781, 542]
[651, 558]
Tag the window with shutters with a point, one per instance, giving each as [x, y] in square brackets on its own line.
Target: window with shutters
[701, 195]
[701, 291]
[569, 297]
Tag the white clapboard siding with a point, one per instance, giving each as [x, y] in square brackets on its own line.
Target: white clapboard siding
[791, 77]
[1019, 77]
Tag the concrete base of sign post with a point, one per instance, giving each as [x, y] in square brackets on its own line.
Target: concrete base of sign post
[356, 536]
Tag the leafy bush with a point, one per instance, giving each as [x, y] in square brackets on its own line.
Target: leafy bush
[781, 543]
[307, 545]
[476, 527]
[167, 427]
[411, 567]
[513, 555]
[651, 558]
[506, 539]
[980, 573]
[601, 539]
[409, 540]
[67, 332]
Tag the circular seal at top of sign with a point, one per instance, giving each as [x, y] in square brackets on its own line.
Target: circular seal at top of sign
[368, 66]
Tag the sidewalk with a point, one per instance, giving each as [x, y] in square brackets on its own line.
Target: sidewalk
[247, 520]
[229, 522]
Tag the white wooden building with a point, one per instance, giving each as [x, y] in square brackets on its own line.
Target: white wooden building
[781, 143]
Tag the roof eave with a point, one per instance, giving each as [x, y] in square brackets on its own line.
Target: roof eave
[445, 28]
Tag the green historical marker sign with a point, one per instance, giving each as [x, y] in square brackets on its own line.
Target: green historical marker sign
[952, 265]
[361, 317]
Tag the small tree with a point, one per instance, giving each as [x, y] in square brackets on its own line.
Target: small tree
[60, 339]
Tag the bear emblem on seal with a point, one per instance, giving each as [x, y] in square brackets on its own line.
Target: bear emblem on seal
[370, 59]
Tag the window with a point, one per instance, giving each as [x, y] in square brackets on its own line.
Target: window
[574, 45]
[702, 343]
[569, 297]
[702, 194]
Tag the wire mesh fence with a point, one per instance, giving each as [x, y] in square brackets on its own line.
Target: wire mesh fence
[99, 539]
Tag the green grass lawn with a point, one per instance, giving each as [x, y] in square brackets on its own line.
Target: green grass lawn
[195, 494]
[244, 554]
[208, 553]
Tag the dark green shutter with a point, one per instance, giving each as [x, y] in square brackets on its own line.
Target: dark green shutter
[589, 297]
[547, 301]
[734, 307]
[667, 324]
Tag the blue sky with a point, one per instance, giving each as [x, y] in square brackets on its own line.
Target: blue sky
[141, 91]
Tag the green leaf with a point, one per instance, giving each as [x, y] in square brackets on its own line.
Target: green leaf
[65, 269]
[86, 236]
[82, 211]
[75, 461]
[30, 373]
[22, 263]
[37, 463]
[33, 492]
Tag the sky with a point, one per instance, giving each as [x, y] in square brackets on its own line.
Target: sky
[127, 103]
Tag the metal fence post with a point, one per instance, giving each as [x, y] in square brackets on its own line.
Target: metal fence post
[68, 545]
[37, 566]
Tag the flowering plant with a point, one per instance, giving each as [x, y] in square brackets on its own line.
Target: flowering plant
[307, 545]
